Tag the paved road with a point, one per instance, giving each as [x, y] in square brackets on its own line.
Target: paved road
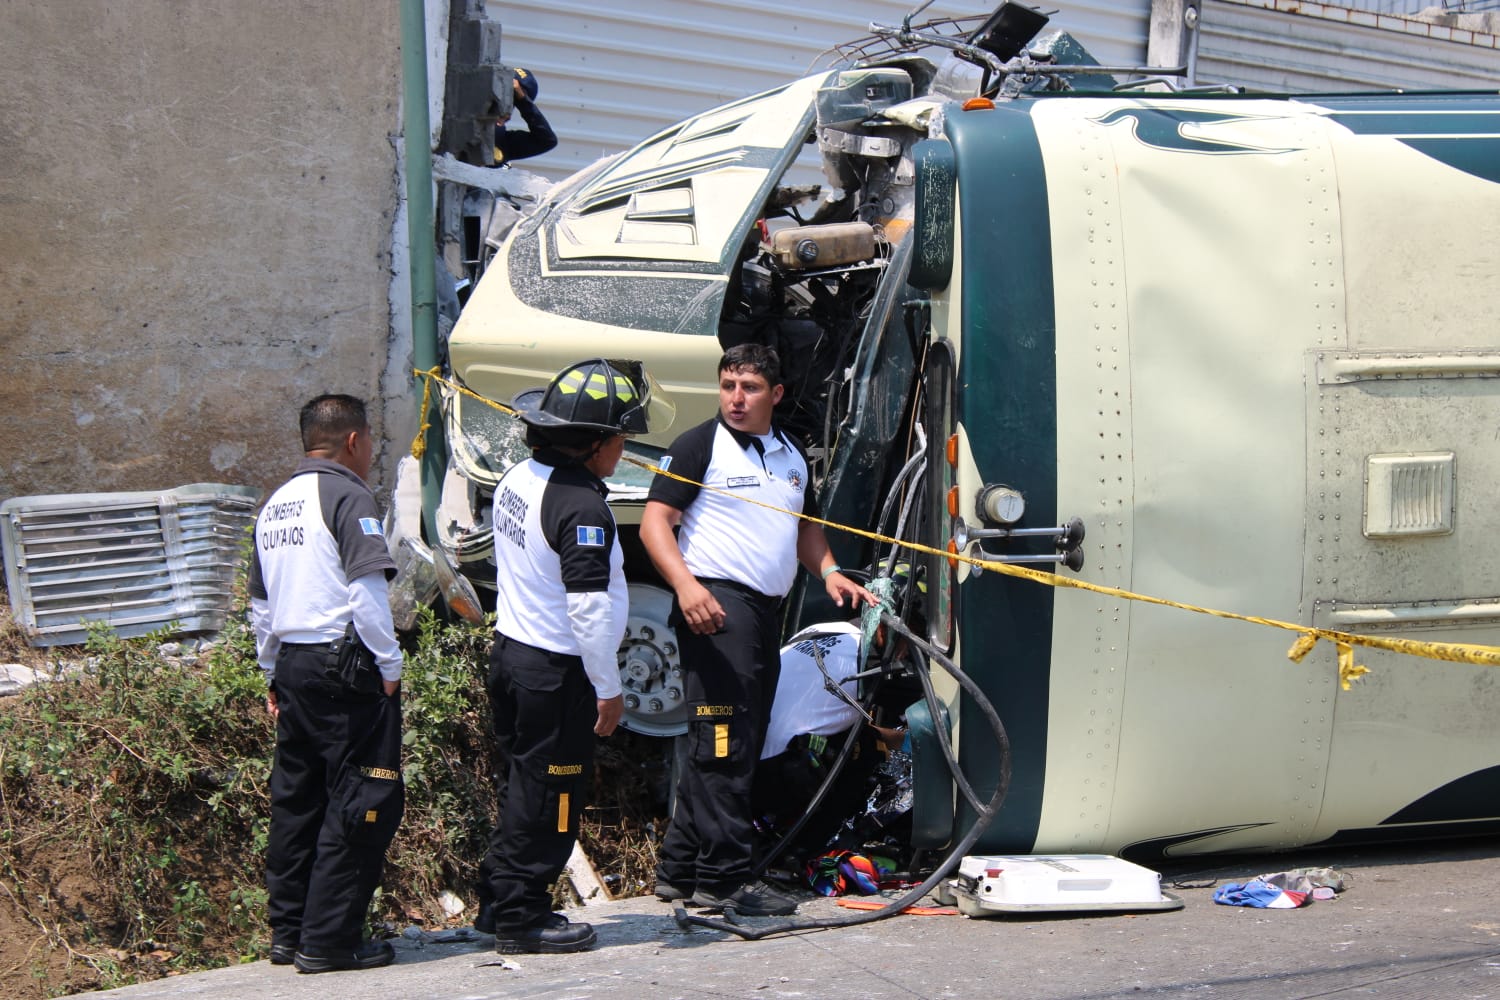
[1415, 922]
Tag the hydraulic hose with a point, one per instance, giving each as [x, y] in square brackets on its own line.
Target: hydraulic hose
[984, 812]
[895, 491]
[851, 739]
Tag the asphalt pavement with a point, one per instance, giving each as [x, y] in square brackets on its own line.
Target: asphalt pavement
[1414, 921]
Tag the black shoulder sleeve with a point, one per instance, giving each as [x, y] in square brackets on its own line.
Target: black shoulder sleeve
[688, 457]
[579, 527]
[350, 513]
[536, 122]
[254, 581]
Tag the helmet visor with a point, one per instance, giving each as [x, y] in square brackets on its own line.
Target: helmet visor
[653, 411]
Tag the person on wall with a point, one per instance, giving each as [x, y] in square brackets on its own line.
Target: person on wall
[513, 144]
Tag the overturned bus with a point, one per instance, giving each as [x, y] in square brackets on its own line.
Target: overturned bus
[1226, 350]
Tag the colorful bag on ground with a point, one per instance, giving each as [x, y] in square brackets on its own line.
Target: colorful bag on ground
[838, 872]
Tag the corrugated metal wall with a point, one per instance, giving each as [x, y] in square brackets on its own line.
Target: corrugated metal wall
[613, 74]
[1290, 45]
[1413, 6]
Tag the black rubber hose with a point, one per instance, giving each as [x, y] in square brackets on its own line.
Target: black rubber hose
[984, 814]
[851, 739]
[946, 745]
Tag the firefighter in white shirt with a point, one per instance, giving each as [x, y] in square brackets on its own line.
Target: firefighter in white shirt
[561, 611]
[730, 566]
[320, 564]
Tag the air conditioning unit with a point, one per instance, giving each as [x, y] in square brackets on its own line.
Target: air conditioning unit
[135, 562]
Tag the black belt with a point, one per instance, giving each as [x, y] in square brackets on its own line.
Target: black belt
[323, 646]
[735, 585]
[512, 640]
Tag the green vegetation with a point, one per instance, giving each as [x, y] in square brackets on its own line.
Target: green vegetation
[134, 807]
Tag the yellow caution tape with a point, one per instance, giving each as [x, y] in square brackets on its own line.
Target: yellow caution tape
[1450, 652]
[419, 443]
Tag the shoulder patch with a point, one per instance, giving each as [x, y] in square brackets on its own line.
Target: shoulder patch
[590, 535]
[665, 463]
[371, 526]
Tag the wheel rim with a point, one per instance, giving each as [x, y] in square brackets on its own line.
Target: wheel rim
[650, 667]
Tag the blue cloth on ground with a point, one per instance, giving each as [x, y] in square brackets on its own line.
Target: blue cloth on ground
[1258, 893]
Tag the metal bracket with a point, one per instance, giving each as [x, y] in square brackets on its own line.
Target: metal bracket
[1068, 539]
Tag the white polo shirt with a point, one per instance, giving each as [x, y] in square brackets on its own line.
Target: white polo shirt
[803, 702]
[721, 536]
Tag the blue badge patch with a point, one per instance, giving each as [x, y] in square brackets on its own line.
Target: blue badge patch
[371, 526]
[590, 535]
[665, 463]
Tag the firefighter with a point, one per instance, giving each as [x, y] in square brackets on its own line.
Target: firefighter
[561, 610]
[730, 566]
[320, 563]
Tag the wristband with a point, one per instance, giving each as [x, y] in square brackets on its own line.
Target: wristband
[835, 568]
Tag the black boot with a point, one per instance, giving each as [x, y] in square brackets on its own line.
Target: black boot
[553, 935]
[484, 920]
[369, 955]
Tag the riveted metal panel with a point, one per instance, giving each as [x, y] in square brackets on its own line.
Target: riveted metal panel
[1180, 400]
[1298, 47]
[613, 74]
[1095, 407]
[1412, 376]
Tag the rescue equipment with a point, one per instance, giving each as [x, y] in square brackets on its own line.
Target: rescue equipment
[991, 885]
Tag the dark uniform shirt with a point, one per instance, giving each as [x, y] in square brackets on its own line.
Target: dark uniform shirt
[517, 144]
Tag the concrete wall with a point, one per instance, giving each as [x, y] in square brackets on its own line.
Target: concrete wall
[196, 210]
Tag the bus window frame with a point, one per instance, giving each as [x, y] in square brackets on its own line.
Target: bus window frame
[940, 406]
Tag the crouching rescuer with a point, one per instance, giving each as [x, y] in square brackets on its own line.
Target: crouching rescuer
[324, 638]
[561, 612]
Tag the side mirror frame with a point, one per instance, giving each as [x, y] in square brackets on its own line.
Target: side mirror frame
[934, 223]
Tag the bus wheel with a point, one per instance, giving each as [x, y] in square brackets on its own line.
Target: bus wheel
[650, 670]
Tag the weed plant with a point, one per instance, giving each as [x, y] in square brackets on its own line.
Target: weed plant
[134, 807]
[446, 758]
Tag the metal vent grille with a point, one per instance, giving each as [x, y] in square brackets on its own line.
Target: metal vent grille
[1409, 494]
[136, 562]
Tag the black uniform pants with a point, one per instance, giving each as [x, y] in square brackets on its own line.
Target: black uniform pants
[336, 801]
[729, 682]
[544, 711]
